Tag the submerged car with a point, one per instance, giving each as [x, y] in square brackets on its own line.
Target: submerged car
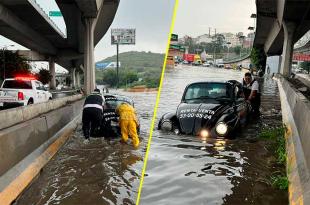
[214, 109]
[110, 122]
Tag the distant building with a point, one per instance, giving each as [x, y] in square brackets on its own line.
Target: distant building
[232, 38]
[205, 38]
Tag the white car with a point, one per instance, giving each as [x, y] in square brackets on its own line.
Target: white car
[21, 91]
[206, 64]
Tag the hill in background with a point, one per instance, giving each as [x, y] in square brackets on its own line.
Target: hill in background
[137, 68]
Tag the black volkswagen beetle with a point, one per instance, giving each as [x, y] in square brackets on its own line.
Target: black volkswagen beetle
[214, 109]
[110, 122]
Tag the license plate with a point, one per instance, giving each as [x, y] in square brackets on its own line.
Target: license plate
[114, 123]
[1, 104]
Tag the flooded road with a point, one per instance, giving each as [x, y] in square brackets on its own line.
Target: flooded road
[102, 172]
[185, 170]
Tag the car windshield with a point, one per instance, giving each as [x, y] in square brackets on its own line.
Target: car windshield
[17, 84]
[202, 92]
[111, 102]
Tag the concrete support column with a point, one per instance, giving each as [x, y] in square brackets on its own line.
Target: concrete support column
[286, 63]
[89, 65]
[73, 81]
[53, 73]
[77, 79]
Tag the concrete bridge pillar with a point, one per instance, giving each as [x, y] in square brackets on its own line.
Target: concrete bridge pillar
[89, 65]
[73, 81]
[288, 46]
[77, 79]
[53, 73]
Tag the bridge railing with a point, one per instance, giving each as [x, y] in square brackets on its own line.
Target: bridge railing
[237, 59]
[36, 5]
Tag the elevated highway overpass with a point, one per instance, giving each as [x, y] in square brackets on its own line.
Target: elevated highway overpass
[280, 24]
[87, 21]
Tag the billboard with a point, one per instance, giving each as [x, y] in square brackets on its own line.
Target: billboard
[123, 36]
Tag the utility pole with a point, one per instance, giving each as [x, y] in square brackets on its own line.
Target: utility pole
[117, 64]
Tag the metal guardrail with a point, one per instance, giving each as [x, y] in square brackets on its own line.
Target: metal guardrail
[239, 58]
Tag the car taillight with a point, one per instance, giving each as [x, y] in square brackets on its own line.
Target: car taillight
[20, 96]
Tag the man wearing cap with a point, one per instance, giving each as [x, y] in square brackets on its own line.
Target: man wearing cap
[92, 114]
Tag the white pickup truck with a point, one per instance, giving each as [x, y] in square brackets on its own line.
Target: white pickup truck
[21, 91]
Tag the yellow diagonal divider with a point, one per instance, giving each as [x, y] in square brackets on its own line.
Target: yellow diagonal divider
[157, 102]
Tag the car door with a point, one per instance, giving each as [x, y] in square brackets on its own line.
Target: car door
[45, 95]
[39, 92]
[240, 101]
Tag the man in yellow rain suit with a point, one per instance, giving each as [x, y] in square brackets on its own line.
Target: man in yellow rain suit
[128, 123]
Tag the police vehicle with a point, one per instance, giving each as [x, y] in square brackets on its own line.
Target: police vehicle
[208, 109]
[21, 91]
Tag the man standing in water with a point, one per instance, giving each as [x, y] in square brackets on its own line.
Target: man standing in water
[251, 92]
[92, 113]
[128, 123]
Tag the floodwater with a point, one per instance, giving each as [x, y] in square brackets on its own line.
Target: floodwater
[185, 170]
[102, 172]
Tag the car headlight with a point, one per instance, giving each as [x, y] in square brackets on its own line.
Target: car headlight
[166, 125]
[204, 133]
[221, 128]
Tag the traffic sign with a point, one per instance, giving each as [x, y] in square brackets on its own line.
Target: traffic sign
[54, 13]
[177, 47]
[174, 37]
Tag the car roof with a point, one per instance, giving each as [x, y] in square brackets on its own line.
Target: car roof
[201, 82]
[118, 96]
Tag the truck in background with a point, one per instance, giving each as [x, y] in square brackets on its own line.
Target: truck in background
[21, 91]
[219, 63]
[189, 58]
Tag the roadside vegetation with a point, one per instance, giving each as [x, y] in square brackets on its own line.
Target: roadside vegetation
[137, 68]
[276, 136]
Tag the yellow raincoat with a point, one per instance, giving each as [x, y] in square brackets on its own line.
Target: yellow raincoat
[128, 123]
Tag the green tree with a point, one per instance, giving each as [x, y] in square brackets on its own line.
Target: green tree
[305, 66]
[110, 77]
[237, 49]
[44, 76]
[12, 64]
[258, 57]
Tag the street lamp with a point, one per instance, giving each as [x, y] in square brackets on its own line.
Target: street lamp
[3, 55]
[228, 46]
[241, 38]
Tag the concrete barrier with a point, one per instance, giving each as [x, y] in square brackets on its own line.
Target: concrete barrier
[26, 147]
[20, 114]
[296, 117]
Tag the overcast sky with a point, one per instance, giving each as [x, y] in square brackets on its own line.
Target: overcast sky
[151, 18]
[194, 17]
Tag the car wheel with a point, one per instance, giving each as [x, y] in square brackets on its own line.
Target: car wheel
[30, 102]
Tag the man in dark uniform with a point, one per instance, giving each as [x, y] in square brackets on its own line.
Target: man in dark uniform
[251, 92]
[92, 113]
